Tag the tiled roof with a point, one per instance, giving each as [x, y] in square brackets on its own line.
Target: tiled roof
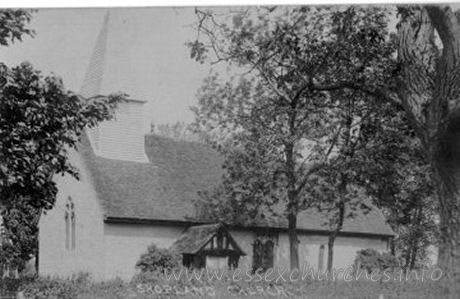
[165, 188]
[373, 222]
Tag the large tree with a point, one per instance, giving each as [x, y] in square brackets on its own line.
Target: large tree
[398, 179]
[40, 122]
[427, 90]
[340, 185]
[293, 58]
[430, 92]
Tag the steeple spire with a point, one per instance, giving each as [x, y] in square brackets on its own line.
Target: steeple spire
[93, 79]
[121, 138]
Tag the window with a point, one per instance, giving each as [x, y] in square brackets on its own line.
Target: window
[268, 254]
[70, 224]
[262, 254]
[321, 258]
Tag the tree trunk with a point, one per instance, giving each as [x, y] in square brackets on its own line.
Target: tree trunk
[413, 257]
[449, 244]
[293, 242]
[333, 235]
[430, 95]
[415, 242]
[37, 253]
[292, 197]
[342, 190]
[446, 153]
[407, 259]
[330, 251]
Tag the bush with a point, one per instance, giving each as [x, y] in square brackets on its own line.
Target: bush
[8, 284]
[148, 277]
[43, 288]
[370, 259]
[112, 289]
[157, 259]
[59, 288]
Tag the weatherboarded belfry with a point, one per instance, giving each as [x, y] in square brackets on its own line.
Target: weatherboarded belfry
[122, 137]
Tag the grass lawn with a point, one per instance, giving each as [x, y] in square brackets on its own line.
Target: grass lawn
[155, 286]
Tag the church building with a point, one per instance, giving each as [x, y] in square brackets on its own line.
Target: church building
[138, 189]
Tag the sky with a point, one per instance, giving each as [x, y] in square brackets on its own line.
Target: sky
[146, 54]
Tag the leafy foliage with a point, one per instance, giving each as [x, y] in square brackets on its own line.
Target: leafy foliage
[249, 192]
[370, 259]
[364, 142]
[13, 24]
[148, 285]
[77, 286]
[44, 288]
[400, 181]
[180, 131]
[39, 123]
[20, 236]
[8, 285]
[308, 90]
[157, 259]
[428, 53]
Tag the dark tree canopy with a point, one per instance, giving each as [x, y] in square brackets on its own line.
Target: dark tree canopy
[309, 75]
[39, 123]
[13, 25]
